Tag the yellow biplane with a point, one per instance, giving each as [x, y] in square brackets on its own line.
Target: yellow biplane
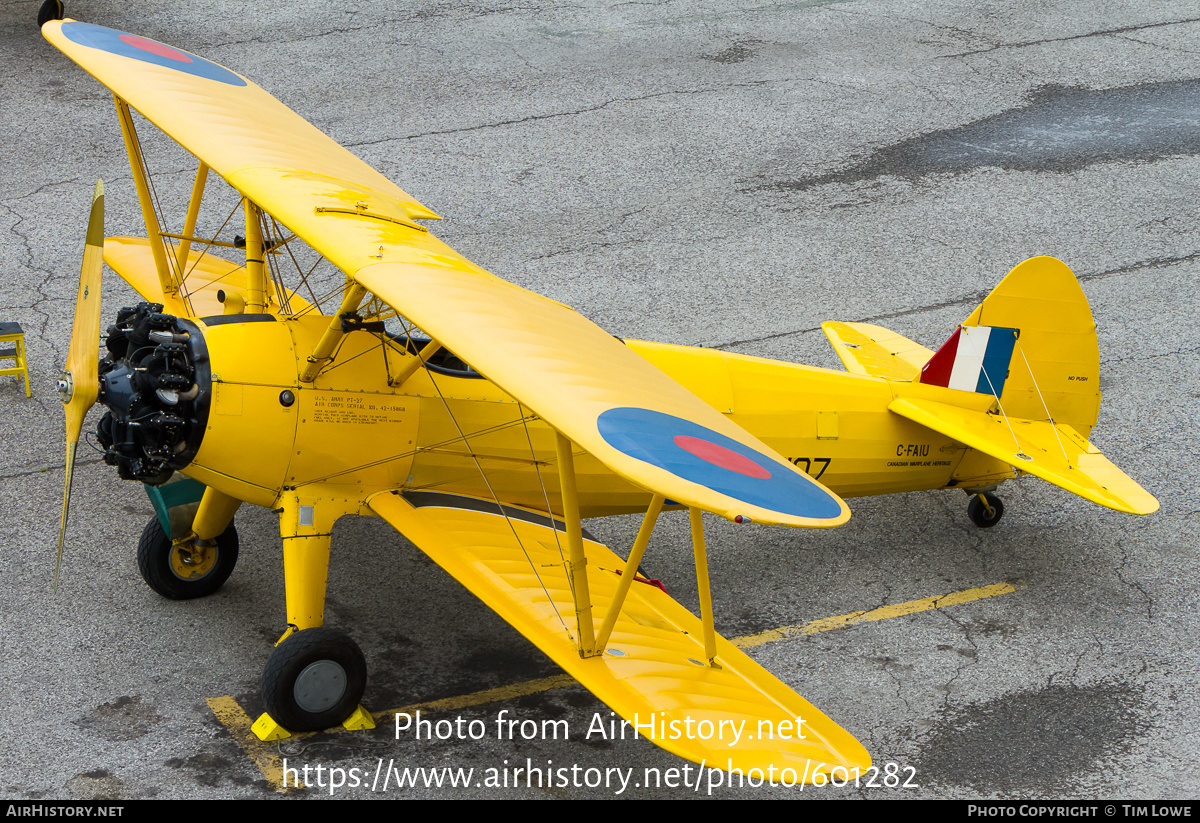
[360, 400]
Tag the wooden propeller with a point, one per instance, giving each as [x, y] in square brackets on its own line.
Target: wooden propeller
[79, 385]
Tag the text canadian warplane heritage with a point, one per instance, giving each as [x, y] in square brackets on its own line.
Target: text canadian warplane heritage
[361, 401]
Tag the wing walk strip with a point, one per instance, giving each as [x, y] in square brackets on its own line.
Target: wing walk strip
[267, 756]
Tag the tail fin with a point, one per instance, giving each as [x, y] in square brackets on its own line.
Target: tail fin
[1032, 343]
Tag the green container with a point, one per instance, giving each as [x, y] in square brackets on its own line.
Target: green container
[175, 502]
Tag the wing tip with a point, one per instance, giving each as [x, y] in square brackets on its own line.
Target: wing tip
[1140, 504]
[770, 517]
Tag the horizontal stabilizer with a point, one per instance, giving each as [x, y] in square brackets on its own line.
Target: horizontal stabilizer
[652, 669]
[1055, 453]
[875, 351]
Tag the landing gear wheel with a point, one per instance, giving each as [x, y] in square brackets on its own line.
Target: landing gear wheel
[179, 574]
[978, 511]
[314, 680]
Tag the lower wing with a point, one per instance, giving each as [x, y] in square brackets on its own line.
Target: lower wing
[205, 275]
[652, 672]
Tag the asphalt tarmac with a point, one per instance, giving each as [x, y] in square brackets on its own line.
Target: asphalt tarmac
[717, 174]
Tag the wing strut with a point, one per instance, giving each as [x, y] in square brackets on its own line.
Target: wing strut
[324, 349]
[141, 182]
[413, 363]
[577, 562]
[189, 222]
[592, 644]
[256, 265]
[706, 610]
[630, 572]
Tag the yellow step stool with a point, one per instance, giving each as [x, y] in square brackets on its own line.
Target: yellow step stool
[12, 347]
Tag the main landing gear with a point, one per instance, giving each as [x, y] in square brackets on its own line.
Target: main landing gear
[985, 509]
[316, 676]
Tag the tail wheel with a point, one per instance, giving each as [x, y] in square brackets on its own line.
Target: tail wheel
[314, 680]
[184, 571]
[985, 510]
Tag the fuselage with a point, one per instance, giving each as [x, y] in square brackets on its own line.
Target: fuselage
[351, 433]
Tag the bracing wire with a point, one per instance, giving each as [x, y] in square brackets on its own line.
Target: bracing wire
[545, 494]
[1049, 417]
[268, 235]
[304, 277]
[433, 447]
[160, 213]
[209, 243]
[1020, 452]
[496, 499]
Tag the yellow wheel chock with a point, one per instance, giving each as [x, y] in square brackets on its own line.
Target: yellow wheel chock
[267, 730]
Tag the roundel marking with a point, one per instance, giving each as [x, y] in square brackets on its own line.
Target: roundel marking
[712, 460]
[720, 456]
[147, 51]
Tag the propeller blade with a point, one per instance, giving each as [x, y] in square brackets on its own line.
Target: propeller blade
[80, 383]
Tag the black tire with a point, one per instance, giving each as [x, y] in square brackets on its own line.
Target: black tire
[314, 680]
[155, 563]
[50, 10]
[979, 513]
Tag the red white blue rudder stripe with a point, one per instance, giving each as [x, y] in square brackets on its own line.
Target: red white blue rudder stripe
[975, 358]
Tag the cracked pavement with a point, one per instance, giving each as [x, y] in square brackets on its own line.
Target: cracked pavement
[629, 159]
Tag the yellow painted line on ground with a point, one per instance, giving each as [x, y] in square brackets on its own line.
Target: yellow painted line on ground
[882, 613]
[266, 755]
[238, 723]
[446, 704]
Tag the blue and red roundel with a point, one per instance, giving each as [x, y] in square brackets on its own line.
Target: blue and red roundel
[148, 51]
[703, 456]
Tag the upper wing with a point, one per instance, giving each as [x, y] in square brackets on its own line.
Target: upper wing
[604, 397]
[582, 381]
[651, 671]
[234, 126]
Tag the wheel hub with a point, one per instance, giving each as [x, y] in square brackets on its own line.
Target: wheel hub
[191, 559]
[320, 686]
